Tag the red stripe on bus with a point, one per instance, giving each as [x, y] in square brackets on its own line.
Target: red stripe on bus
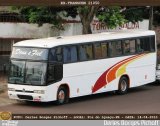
[110, 73]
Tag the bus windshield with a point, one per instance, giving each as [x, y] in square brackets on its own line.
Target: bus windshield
[24, 72]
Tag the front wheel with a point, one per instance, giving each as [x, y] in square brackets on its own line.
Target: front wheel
[123, 85]
[62, 96]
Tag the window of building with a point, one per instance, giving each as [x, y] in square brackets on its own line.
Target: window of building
[5, 47]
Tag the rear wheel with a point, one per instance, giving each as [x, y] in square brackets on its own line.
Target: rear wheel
[123, 85]
[62, 96]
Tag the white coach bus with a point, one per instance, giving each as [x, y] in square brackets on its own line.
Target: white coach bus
[59, 68]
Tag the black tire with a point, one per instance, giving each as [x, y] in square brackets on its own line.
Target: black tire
[62, 96]
[123, 86]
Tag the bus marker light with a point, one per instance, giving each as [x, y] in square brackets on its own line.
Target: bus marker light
[37, 100]
[145, 76]
[77, 90]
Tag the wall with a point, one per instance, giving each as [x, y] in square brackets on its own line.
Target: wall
[24, 30]
[101, 27]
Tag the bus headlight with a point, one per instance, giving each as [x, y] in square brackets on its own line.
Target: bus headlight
[39, 91]
[11, 89]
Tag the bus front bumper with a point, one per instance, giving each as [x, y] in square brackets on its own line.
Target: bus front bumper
[30, 93]
[27, 97]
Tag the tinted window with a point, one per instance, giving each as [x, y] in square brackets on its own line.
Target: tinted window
[132, 46]
[139, 46]
[97, 50]
[115, 48]
[56, 54]
[143, 44]
[146, 43]
[69, 54]
[85, 52]
[112, 49]
[55, 72]
[129, 46]
[152, 43]
[104, 50]
[126, 47]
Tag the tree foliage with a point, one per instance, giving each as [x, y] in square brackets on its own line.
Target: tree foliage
[134, 14]
[46, 14]
[111, 16]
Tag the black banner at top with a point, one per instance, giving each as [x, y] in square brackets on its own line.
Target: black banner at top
[80, 2]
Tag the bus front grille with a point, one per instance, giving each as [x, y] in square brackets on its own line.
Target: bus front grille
[25, 97]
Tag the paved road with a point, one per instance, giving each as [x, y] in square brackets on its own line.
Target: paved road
[141, 100]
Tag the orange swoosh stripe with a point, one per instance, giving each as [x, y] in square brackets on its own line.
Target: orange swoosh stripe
[110, 74]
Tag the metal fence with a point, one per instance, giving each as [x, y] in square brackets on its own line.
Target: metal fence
[11, 17]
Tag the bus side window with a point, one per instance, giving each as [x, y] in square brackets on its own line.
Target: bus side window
[146, 43]
[89, 51]
[59, 54]
[82, 53]
[152, 43]
[66, 54]
[56, 54]
[126, 47]
[104, 50]
[112, 49]
[143, 44]
[118, 48]
[133, 46]
[139, 45]
[97, 50]
[69, 54]
[85, 52]
[129, 46]
[52, 55]
[74, 54]
[115, 48]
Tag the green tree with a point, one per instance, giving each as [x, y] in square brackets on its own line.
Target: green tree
[86, 14]
[111, 16]
[133, 14]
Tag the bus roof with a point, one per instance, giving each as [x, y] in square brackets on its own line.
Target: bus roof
[56, 41]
